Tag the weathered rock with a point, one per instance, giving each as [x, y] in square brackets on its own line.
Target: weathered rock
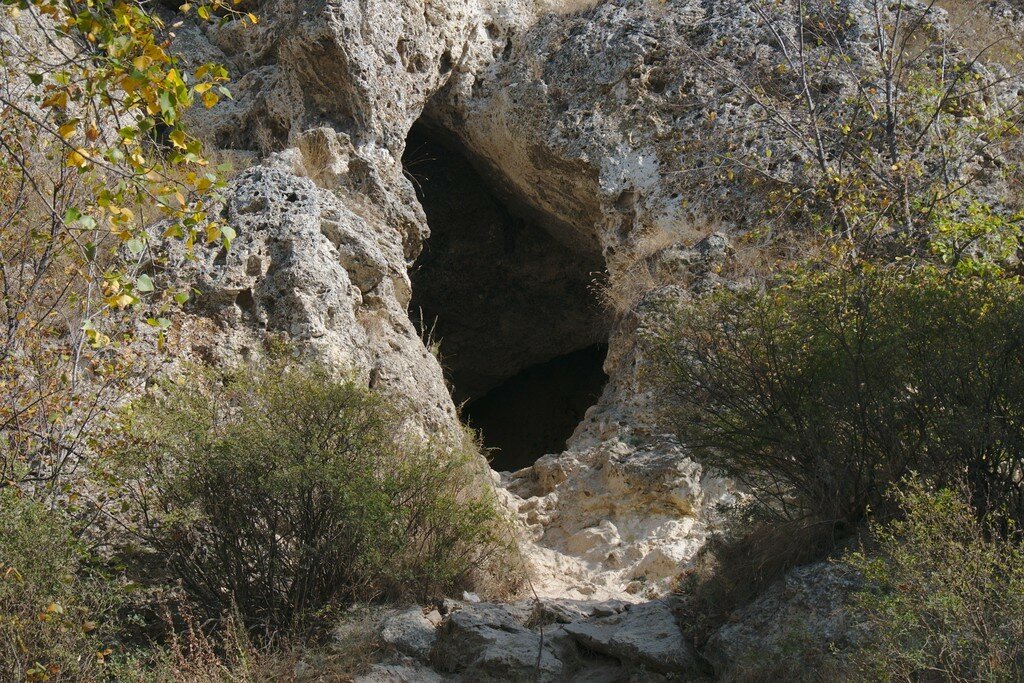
[563, 640]
[410, 632]
[400, 673]
[645, 634]
[611, 521]
[332, 280]
[485, 642]
[805, 609]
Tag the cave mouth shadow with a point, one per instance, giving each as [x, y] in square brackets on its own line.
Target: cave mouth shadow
[520, 334]
[535, 411]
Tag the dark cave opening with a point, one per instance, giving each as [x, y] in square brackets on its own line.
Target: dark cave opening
[510, 308]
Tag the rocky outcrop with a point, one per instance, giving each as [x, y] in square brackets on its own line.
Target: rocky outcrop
[589, 123]
[329, 223]
[803, 612]
[327, 275]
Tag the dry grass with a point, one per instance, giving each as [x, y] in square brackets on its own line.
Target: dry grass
[636, 272]
[231, 655]
[979, 30]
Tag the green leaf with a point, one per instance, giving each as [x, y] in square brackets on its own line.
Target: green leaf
[228, 234]
[144, 284]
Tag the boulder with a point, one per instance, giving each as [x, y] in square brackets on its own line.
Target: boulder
[485, 642]
[410, 632]
[644, 635]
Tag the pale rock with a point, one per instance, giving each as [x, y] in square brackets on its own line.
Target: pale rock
[644, 633]
[410, 632]
[485, 642]
[405, 672]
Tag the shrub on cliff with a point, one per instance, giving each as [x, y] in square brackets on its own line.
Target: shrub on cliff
[279, 491]
[820, 393]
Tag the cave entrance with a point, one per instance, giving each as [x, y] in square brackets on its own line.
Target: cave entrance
[509, 307]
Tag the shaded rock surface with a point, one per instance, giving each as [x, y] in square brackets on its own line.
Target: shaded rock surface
[805, 609]
[548, 640]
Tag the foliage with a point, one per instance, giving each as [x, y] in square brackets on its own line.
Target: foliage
[944, 597]
[880, 122]
[55, 616]
[821, 392]
[281, 491]
[93, 152]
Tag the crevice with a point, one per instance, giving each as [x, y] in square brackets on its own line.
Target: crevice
[510, 309]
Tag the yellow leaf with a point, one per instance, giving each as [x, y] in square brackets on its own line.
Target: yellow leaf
[120, 301]
[68, 129]
[203, 87]
[178, 138]
[131, 83]
[210, 98]
[57, 99]
[77, 159]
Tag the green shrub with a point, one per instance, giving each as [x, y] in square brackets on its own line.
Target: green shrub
[822, 392]
[944, 599]
[55, 617]
[281, 491]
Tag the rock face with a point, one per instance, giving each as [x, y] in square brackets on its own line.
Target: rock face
[321, 272]
[535, 192]
[804, 612]
[561, 137]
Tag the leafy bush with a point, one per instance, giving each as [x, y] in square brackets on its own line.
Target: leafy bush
[95, 149]
[54, 616]
[944, 598]
[279, 491]
[823, 391]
